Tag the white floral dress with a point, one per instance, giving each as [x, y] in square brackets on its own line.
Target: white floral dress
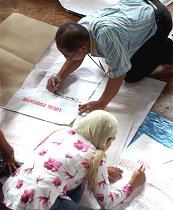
[56, 166]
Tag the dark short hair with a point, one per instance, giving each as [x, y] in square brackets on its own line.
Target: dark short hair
[71, 36]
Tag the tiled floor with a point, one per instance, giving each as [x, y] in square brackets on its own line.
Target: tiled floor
[52, 12]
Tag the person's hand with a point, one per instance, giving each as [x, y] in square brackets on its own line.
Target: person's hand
[138, 178]
[90, 106]
[9, 163]
[114, 173]
[54, 86]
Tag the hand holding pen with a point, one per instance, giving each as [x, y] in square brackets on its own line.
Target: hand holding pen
[138, 178]
[114, 174]
[54, 83]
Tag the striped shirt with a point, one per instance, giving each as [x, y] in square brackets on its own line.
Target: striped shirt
[118, 31]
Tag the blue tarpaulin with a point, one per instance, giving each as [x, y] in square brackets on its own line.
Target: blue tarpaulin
[158, 128]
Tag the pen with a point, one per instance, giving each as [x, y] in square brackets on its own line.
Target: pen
[167, 162]
[141, 167]
[53, 83]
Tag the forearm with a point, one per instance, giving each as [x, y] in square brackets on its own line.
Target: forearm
[4, 145]
[69, 67]
[111, 90]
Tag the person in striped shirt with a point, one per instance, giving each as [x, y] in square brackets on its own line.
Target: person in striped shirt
[132, 36]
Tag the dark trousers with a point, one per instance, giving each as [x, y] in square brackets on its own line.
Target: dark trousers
[156, 50]
[75, 195]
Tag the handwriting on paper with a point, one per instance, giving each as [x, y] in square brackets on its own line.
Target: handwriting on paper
[42, 104]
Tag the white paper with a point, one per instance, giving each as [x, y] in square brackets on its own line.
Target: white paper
[43, 105]
[132, 103]
[33, 99]
[148, 198]
[157, 193]
[85, 7]
[24, 133]
[147, 152]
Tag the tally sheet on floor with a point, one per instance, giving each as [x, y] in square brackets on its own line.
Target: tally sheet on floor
[35, 100]
[85, 7]
[156, 154]
[157, 193]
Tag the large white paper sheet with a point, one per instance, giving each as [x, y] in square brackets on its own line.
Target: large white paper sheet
[43, 105]
[85, 7]
[157, 193]
[88, 70]
[147, 152]
[132, 103]
[33, 99]
[24, 133]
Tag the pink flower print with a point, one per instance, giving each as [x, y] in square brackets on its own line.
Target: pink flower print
[56, 143]
[81, 146]
[101, 162]
[102, 183]
[27, 196]
[100, 197]
[52, 165]
[69, 156]
[28, 170]
[72, 132]
[38, 179]
[10, 205]
[44, 199]
[57, 182]
[19, 184]
[42, 152]
[77, 182]
[112, 195]
[127, 189]
[16, 172]
[64, 190]
[85, 163]
[68, 175]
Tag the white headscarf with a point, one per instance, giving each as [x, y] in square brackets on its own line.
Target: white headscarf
[97, 127]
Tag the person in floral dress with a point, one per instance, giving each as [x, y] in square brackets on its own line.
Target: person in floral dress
[55, 174]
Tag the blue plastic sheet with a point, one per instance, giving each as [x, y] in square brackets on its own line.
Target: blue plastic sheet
[158, 128]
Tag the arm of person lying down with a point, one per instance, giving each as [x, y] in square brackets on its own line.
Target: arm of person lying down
[68, 67]
[112, 88]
